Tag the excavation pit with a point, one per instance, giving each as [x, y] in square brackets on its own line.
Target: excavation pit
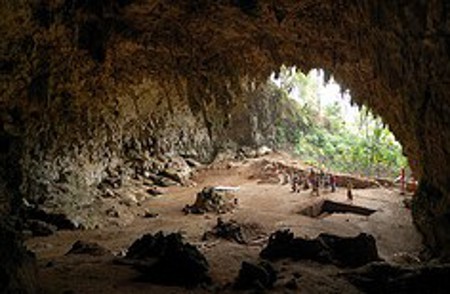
[325, 208]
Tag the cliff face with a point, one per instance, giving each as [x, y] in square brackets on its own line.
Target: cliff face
[84, 83]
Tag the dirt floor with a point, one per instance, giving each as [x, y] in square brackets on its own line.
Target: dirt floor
[262, 208]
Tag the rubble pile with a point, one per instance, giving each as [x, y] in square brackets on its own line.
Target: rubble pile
[229, 230]
[212, 199]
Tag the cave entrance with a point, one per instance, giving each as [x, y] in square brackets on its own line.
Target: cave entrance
[320, 122]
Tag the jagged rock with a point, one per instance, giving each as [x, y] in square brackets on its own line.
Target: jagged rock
[89, 248]
[40, 228]
[263, 150]
[211, 200]
[246, 152]
[255, 276]
[154, 192]
[177, 170]
[173, 174]
[167, 260]
[60, 220]
[230, 230]
[326, 248]
[112, 212]
[380, 277]
[113, 180]
[193, 163]
[18, 270]
[164, 181]
[108, 193]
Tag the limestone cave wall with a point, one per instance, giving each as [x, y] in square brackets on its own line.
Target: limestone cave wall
[76, 108]
[81, 81]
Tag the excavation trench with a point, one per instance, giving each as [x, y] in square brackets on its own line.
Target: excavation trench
[326, 208]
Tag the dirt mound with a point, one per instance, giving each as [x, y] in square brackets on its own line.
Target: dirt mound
[89, 248]
[272, 172]
[212, 199]
[326, 248]
[167, 260]
[233, 231]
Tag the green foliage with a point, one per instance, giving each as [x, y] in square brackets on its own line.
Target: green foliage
[324, 138]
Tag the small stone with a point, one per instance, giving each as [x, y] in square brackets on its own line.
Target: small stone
[193, 163]
[112, 212]
[165, 182]
[154, 192]
[108, 193]
[149, 214]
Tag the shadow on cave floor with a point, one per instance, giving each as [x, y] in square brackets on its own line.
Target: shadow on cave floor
[264, 206]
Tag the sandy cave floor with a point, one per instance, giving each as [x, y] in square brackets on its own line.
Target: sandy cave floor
[264, 207]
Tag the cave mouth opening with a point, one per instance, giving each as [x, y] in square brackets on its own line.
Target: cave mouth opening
[326, 128]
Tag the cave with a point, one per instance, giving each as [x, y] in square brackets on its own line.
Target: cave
[88, 87]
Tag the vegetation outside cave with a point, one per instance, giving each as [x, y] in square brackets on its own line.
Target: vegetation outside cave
[320, 124]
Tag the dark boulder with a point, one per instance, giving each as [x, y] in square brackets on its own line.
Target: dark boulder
[380, 277]
[39, 228]
[350, 251]
[167, 260]
[283, 244]
[255, 276]
[60, 220]
[326, 248]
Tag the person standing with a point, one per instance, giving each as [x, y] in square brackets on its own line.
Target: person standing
[333, 183]
[349, 190]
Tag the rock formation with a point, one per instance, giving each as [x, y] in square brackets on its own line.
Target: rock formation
[87, 86]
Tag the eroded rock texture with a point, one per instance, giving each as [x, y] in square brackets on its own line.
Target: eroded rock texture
[85, 85]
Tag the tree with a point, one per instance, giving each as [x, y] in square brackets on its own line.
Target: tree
[367, 147]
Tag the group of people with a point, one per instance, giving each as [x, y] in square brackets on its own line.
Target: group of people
[315, 180]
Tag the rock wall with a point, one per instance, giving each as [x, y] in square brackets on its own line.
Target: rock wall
[72, 114]
[83, 83]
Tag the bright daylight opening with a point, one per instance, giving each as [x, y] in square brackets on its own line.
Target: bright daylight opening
[333, 133]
